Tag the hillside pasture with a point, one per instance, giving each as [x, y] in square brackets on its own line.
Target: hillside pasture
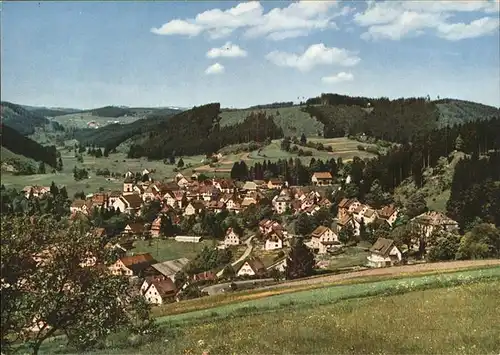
[292, 120]
[81, 120]
[169, 249]
[117, 163]
[444, 314]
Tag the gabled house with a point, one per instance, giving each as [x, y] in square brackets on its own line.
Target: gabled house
[193, 208]
[384, 253]
[216, 206]
[250, 186]
[132, 265]
[323, 238]
[267, 226]
[159, 290]
[82, 206]
[130, 203]
[232, 238]
[233, 205]
[388, 214]
[322, 179]
[252, 267]
[279, 265]
[183, 182]
[275, 184]
[274, 240]
[134, 230]
[347, 206]
[113, 197]
[430, 221]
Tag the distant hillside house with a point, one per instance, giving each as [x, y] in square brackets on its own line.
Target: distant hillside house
[232, 238]
[36, 191]
[132, 265]
[322, 179]
[323, 238]
[252, 267]
[430, 221]
[384, 253]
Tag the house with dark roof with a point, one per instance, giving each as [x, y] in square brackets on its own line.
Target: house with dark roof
[169, 268]
[431, 220]
[133, 265]
[388, 214]
[130, 203]
[274, 240]
[158, 290]
[384, 253]
[252, 267]
[134, 229]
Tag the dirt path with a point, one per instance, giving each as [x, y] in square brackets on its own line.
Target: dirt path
[394, 271]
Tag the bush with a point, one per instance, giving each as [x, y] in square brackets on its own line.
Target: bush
[360, 147]
[373, 150]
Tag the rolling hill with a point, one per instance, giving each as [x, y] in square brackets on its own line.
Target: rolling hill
[16, 143]
[20, 119]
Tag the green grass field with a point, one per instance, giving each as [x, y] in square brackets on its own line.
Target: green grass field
[448, 313]
[163, 250]
[117, 163]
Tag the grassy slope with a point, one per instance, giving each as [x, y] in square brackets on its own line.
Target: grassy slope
[292, 120]
[437, 184]
[437, 317]
[163, 250]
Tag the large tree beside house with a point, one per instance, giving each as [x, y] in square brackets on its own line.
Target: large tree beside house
[300, 261]
[53, 280]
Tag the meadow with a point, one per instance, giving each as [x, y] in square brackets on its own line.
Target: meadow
[169, 249]
[442, 313]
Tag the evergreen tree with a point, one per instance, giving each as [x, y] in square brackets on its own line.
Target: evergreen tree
[303, 139]
[167, 228]
[285, 144]
[41, 168]
[180, 163]
[106, 152]
[300, 261]
[59, 165]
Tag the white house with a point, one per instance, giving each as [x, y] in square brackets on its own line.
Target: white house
[322, 179]
[282, 203]
[183, 182]
[384, 253]
[158, 290]
[388, 213]
[429, 221]
[274, 241]
[231, 238]
[322, 238]
[252, 267]
[279, 265]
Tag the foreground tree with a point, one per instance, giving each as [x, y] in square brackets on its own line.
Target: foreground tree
[300, 261]
[48, 285]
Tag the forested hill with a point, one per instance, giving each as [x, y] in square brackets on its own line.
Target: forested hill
[20, 119]
[393, 120]
[197, 131]
[19, 144]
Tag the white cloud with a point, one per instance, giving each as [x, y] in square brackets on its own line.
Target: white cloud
[316, 54]
[477, 28]
[228, 50]
[215, 69]
[297, 19]
[338, 78]
[397, 19]
[178, 27]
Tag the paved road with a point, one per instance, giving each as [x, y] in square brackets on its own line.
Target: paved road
[219, 288]
[244, 256]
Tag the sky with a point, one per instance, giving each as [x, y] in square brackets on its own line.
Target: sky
[93, 54]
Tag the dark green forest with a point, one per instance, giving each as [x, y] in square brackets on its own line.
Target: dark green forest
[22, 120]
[19, 144]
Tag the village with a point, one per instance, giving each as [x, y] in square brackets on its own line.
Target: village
[258, 252]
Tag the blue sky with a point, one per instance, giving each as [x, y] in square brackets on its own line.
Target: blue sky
[91, 54]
